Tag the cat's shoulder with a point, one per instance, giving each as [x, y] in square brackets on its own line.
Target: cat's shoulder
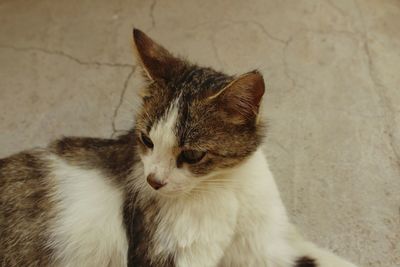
[66, 148]
[108, 155]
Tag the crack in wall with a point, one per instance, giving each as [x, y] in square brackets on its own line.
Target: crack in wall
[66, 55]
[215, 50]
[121, 100]
[268, 34]
[286, 64]
[243, 22]
[348, 34]
[335, 7]
[377, 86]
[153, 20]
[261, 27]
[87, 63]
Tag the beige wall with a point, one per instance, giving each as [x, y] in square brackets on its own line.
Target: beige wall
[333, 98]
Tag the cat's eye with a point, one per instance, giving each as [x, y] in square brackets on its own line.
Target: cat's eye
[192, 156]
[146, 141]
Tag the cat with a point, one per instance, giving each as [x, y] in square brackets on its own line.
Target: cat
[187, 186]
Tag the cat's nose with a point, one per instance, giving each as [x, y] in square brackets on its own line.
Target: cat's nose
[154, 182]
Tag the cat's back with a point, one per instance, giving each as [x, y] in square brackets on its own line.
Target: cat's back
[63, 204]
[24, 186]
[21, 170]
[25, 208]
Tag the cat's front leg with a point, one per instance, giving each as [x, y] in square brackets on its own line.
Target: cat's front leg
[201, 233]
[201, 255]
[209, 245]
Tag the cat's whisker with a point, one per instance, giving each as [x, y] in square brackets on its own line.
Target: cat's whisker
[212, 187]
[220, 180]
[220, 185]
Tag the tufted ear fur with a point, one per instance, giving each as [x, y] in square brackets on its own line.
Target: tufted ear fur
[157, 63]
[242, 97]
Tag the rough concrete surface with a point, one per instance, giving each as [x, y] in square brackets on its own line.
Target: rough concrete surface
[333, 98]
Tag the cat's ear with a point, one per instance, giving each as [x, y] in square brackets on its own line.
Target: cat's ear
[157, 63]
[242, 97]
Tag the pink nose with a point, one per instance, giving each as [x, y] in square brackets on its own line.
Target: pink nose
[154, 182]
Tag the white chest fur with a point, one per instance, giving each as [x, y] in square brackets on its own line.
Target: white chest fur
[88, 228]
[197, 228]
[240, 224]
[200, 228]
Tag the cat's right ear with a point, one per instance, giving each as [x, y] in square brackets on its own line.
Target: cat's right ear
[157, 63]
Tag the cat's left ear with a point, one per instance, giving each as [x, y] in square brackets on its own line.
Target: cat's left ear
[241, 98]
[157, 63]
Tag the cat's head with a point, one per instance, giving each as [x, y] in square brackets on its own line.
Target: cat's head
[195, 123]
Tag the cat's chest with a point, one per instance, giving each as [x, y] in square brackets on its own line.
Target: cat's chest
[195, 222]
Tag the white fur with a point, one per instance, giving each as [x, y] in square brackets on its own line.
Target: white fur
[262, 222]
[88, 227]
[197, 228]
[242, 224]
[161, 160]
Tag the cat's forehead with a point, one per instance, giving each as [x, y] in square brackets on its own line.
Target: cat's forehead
[179, 113]
[194, 81]
[163, 131]
[182, 117]
[185, 93]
